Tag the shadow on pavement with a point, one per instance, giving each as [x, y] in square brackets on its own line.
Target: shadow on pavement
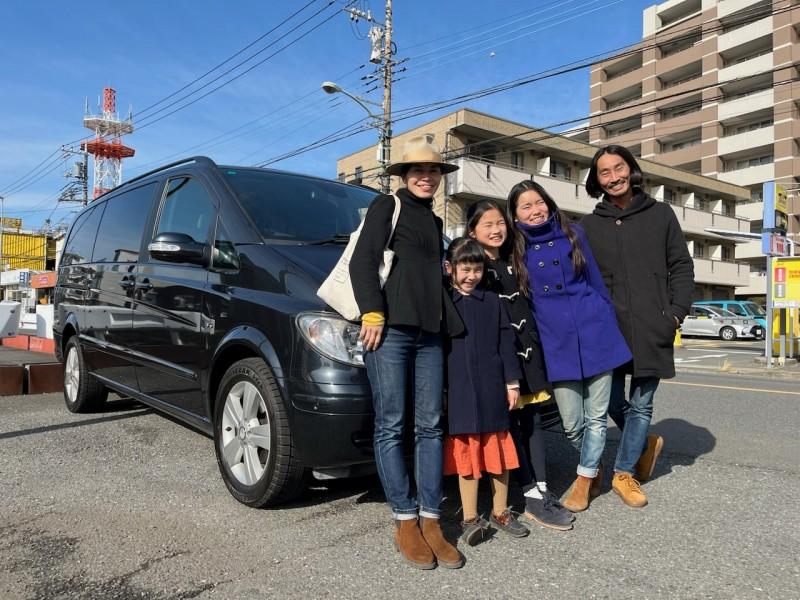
[684, 443]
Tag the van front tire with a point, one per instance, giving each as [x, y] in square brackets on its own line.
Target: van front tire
[82, 392]
[252, 438]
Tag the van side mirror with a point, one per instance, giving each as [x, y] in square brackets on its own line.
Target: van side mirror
[178, 247]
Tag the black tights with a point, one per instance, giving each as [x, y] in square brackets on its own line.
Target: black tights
[526, 430]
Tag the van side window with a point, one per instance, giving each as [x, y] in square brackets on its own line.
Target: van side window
[224, 255]
[120, 235]
[78, 248]
[187, 208]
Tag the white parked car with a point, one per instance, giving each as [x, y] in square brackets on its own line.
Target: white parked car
[717, 322]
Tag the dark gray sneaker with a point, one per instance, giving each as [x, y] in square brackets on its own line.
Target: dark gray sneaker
[474, 530]
[544, 512]
[506, 521]
[552, 501]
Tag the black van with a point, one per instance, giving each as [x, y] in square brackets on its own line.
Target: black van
[192, 289]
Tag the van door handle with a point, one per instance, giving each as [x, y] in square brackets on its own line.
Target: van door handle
[145, 285]
[127, 282]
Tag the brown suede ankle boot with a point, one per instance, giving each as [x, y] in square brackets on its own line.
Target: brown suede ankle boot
[597, 482]
[577, 497]
[446, 554]
[409, 542]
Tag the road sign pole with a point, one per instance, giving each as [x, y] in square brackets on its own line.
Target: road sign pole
[768, 333]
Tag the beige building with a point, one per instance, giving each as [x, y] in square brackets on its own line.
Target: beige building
[712, 89]
[494, 154]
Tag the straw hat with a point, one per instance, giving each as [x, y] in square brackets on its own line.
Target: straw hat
[417, 150]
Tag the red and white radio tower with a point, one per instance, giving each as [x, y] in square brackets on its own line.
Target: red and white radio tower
[107, 147]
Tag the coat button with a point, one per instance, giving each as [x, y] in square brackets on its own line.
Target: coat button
[550, 244]
[555, 261]
[541, 263]
[537, 246]
[618, 222]
[546, 288]
[559, 286]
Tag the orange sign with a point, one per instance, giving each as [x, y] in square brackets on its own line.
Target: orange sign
[44, 280]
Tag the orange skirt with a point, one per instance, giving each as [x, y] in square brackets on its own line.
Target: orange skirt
[467, 454]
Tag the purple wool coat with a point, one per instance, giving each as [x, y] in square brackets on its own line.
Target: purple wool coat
[576, 319]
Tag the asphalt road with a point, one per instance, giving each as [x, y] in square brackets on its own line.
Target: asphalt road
[129, 504]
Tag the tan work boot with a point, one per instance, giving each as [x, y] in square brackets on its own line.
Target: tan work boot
[628, 489]
[647, 461]
[409, 542]
[577, 497]
[446, 554]
[597, 482]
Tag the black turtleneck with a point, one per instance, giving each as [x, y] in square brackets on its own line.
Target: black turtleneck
[413, 293]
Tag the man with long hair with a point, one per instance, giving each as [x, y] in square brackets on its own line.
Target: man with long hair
[642, 254]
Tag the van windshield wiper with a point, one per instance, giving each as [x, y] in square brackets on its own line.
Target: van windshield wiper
[339, 238]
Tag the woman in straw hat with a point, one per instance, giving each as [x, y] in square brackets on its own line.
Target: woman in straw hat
[402, 327]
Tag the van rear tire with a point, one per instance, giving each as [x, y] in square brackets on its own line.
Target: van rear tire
[252, 438]
[727, 333]
[82, 392]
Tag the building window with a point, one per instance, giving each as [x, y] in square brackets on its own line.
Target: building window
[517, 159]
[669, 196]
[737, 129]
[751, 162]
[560, 170]
[340, 177]
[359, 175]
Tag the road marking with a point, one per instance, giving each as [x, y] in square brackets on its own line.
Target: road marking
[728, 351]
[726, 387]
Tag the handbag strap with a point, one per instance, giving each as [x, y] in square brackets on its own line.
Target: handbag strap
[395, 217]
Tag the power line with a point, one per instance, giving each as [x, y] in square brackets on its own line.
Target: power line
[230, 58]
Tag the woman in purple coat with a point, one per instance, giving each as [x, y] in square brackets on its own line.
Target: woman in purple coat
[580, 338]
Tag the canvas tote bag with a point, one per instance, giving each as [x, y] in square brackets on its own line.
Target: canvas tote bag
[337, 289]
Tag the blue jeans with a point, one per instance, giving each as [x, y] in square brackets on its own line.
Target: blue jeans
[408, 354]
[632, 416]
[584, 411]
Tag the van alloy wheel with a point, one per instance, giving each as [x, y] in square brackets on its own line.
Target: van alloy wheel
[727, 333]
[246, 434]
[252, 437]
[82, 392]
[72, 375]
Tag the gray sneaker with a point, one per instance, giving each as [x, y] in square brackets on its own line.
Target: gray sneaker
[506, 521]
[474, 530]
[544, 512]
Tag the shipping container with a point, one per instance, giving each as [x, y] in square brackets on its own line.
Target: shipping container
[27, 251]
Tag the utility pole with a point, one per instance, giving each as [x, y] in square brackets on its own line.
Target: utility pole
[77, 188]
[386, 131]
[384, 59]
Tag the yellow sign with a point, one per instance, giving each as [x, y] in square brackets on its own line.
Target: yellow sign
[786, 282]
[781, 204]
[12, 223]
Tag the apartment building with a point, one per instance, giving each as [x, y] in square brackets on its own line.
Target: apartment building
[712, 89]
[494, 154]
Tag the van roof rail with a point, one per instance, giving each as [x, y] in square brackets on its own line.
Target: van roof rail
[196, 159]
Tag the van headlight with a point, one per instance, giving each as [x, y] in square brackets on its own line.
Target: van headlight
[333, 337]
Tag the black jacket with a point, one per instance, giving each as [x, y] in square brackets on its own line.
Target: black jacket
[414, 294]
[479, 364]
[501, 279]
[642, 255]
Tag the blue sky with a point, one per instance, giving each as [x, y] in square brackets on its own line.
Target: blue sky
[55, 54]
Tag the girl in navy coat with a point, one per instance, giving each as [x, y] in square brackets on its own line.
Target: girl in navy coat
[577, 325]
[483, 385]
[486, 224]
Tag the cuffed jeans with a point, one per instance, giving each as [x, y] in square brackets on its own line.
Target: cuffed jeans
[408, 354]
[584, 411]
[632, 417]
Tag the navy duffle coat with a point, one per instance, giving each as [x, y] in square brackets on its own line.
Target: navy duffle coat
[576, 319]
[479, 364]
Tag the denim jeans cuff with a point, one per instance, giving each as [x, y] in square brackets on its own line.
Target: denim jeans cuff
[587, 472]
[404, 516]
[429, 513]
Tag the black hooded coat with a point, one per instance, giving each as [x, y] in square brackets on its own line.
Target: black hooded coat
[642, 255]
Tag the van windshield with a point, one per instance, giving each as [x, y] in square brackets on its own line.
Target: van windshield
[754, 309]
[295, 208]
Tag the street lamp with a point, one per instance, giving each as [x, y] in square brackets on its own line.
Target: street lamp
[378, 121]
